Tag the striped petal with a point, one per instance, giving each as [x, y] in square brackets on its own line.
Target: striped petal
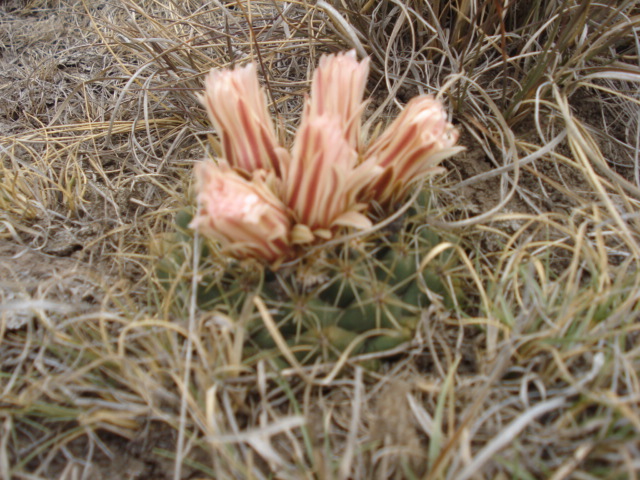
[244, 216]
[411, 149]
[237, 108]
[337, 88]
[323, 180]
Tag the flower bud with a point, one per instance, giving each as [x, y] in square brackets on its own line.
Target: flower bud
[323, 181]
[237, 108]
[411, 149]
[244, 216]
[337, 88]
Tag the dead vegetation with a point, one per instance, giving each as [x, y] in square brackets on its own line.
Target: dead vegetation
[99, 130]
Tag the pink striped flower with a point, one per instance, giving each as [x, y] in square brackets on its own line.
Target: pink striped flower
[411, 149]
[337, 89]
[244, 216]
[327, 180]
[323, 181]
[237, 108]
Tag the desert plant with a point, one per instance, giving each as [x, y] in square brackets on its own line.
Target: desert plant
[290, 216]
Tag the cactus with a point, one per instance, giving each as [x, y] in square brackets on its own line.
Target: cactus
[365, 297]
[277, 223]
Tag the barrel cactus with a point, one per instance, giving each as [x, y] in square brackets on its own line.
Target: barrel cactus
[308, 230]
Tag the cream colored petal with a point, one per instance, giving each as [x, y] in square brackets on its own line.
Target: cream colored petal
[301, 234]
[353, 219]
[243, 215]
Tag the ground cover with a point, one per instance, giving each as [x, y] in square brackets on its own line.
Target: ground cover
[535, 375]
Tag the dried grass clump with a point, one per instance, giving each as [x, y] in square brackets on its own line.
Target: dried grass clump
[99, 126]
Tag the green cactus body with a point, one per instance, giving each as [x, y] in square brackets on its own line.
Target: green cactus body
[381, 310]
[369, 299]
[349, 276]
[401, 269]
[338, 340]
[388, 339]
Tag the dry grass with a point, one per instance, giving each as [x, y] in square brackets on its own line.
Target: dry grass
[537, 377]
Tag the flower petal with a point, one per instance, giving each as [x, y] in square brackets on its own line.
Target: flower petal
[353, 219]
[237, 108]
[337, 88]
[323, 180]
[244, 216]
[411, 148]
[301, 234]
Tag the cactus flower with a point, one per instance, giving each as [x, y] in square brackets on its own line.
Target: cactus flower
[237, 108]
[244, 216]
[323, 180]
[411, 148]
[327, 179]
[337, 89]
